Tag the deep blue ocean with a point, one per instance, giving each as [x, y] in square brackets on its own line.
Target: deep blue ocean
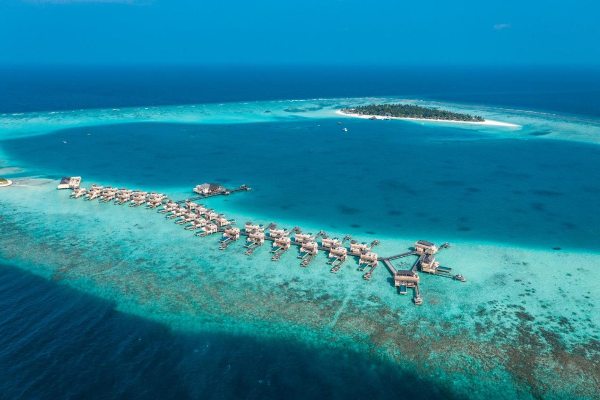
[573, 90]
[60, 343]
[56, 342]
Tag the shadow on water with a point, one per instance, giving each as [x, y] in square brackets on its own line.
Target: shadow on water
[57, 342]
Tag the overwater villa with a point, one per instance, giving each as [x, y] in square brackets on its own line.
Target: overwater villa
[168, 207]
[94, 192]
[356, 249]
[196, 224]
[123, 196]
[108, 194]
[428, 264]
[280, 246]
[338, 252]
[136, 202]
[187, 218]
[190, 205]
[308, 251]
[212, 215]
[275, 233]
[249, 227]
[425, 247]
[137, 199]
[214, 189]
[69, 182]
[209, 229]
[368, 259]
[405, 279]
[301, 238]
[221, 221]
[230, 235]
[197, 208]
[255, 238]
[201, 209]
[338, 255]
[77, 193]
[329, 243]
[176, 213]
[154, 200]
[283, 243]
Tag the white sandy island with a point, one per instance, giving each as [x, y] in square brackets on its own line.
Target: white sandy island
[485, 122]
[5, 182]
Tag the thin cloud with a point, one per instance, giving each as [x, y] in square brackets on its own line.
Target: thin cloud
[501, 27]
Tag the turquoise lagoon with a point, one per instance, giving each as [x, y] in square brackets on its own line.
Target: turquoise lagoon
[517, 205]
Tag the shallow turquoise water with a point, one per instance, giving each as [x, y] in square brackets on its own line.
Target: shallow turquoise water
[525, 320]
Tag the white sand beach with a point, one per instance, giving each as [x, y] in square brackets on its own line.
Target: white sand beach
[487, 122]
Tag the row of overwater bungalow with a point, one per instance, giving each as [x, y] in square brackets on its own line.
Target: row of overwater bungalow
[205, 221]
[196, 217]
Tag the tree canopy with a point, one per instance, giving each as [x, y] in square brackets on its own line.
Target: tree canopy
[411, 111]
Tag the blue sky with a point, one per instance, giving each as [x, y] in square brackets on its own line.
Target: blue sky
[387, 32]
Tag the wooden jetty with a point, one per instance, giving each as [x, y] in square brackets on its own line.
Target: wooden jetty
[207, 190]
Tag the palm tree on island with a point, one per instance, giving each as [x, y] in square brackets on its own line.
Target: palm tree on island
[410, 111]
